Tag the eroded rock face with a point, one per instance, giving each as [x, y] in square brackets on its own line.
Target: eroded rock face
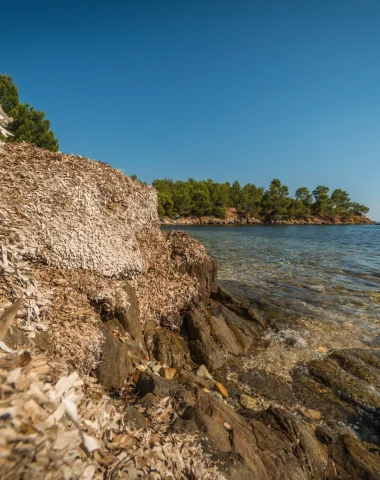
[115, 365]
[170, 349]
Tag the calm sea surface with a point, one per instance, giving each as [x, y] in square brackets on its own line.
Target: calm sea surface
[327, 272]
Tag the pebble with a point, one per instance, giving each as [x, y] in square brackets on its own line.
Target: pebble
[168, 373]
[202, 372]
[152, 363]
[156, 368]
[221, 389]
[317, 288]
[312, 414]
[247, 402]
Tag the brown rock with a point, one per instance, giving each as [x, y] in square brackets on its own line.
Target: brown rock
[247, 402]
[136, 376]
[217, 436]
[221, 389]
[223, 334]
[115, 363]
[204, 349]
[170, 349]
[131, 318]
[149, 383]
[189, 378]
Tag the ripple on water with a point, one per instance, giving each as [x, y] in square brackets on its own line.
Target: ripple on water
[282, 265]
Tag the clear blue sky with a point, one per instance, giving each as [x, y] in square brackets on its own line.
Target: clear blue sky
[224, 90]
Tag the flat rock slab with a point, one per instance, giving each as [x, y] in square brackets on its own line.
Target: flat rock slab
[150, 383]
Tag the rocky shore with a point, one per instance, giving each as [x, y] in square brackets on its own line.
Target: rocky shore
[124, 358]
[232, 218]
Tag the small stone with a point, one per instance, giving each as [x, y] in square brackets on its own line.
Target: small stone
[322, 349]
[144, 362]
[317, 288]
[156, 368]
[205, 389]
[152, 363]
[247, 402]
[221, 389]
[141, 367]
[202, 372]
[312, 414]
[168, 373]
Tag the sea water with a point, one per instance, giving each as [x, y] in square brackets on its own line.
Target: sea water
[329, 273]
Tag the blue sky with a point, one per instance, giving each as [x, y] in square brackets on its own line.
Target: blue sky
[224, 90]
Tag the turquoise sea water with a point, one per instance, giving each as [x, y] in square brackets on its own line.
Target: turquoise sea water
[327, 272]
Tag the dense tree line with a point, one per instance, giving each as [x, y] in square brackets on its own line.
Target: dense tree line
[29, 124]
[207, 197]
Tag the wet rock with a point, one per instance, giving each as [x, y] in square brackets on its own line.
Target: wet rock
[203, 348]
[268, 385]
[344, 384]
[221, 389]
[247, 402]
[170, 349]
[157, 385]
[217, 437]
[134, 419]
[202, 372]
[315, 395]
[115, 365]
[316, 288]
[356, 366]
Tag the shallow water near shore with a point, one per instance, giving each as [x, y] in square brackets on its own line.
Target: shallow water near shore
[325, 273]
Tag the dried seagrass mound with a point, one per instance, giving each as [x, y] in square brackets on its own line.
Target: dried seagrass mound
[74, 212]
[72, 231]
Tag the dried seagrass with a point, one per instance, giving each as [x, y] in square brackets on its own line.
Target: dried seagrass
[71, 231]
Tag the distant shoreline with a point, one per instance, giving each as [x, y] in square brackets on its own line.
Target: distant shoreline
[236, 220]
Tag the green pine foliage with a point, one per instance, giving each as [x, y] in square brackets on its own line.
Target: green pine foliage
[206, 197]
[29, 125]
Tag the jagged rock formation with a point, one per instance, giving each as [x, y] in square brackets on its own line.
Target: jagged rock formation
[157, 345]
